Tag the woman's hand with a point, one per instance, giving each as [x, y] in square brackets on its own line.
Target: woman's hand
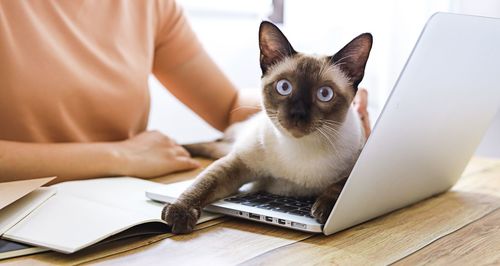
[152, 154]
[361, 106]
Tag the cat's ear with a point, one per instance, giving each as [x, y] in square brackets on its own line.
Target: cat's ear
[352, 58]
[273, 45]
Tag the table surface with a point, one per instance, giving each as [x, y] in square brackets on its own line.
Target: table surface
[461, 227]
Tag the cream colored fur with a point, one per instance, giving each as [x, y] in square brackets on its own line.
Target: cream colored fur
[303, 166]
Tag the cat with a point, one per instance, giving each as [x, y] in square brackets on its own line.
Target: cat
[305, 141]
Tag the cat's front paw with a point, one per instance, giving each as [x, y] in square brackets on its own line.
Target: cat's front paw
[321, 209]
[180, 217]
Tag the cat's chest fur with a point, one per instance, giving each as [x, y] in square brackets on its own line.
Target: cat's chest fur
[301, 167]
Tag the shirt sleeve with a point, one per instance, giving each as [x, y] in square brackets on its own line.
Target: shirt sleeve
[175, 42]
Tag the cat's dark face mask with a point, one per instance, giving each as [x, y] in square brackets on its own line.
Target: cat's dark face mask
[301, 100]
[305, 94]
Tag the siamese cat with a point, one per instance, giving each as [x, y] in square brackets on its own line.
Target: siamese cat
[305, 141]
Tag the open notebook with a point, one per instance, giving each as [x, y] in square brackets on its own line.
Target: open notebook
[17, 200]
[83, 213]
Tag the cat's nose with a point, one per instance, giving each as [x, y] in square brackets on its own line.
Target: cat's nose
[298, 112]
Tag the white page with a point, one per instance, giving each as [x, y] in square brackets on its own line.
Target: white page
[124, 193]
[169, 192]
[14, 190]
[67, 224]
[16, 211]
[85, 212]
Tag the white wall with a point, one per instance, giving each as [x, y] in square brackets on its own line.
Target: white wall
[228, 30]
[490, 146]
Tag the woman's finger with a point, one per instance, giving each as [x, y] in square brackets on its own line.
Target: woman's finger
[185, 163]
[180, 151]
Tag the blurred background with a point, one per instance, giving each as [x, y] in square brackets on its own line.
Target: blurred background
[228, 30]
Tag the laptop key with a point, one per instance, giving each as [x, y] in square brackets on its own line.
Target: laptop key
[285, 201]
[274, 203]
[297, 205]
[266, 206]
[303, 213]
[296, 212]
[261, 200]
[235, 200]
[282, 209]
[249, 203]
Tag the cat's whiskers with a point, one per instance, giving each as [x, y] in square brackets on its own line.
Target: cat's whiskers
[320, 129]
[332, 130]
[325, 137]
[329, 134]
[331, 122]
[272, 115]
[274, 119]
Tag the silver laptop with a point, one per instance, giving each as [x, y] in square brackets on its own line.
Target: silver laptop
[443, 102]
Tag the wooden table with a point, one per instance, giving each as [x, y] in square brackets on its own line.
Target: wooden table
[460, 227]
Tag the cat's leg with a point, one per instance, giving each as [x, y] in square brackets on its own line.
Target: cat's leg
[324, 203]
[222, 178]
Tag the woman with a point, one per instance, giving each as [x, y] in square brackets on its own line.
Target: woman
[74, 96]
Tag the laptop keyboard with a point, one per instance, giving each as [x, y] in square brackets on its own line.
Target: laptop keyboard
[263, 200]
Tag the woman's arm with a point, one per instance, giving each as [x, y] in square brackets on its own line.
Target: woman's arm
[201, 85]
[146, 155]
[247, 103]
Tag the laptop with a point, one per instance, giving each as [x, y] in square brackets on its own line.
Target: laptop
[441, 105]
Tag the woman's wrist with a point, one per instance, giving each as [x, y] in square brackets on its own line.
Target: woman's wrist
[116, 158]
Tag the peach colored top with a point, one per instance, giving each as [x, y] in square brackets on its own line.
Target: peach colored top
[77, 70]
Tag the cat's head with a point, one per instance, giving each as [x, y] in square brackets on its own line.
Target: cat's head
[303, 92]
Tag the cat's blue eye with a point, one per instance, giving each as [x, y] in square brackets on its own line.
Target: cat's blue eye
[284, 87]
[325, 94]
